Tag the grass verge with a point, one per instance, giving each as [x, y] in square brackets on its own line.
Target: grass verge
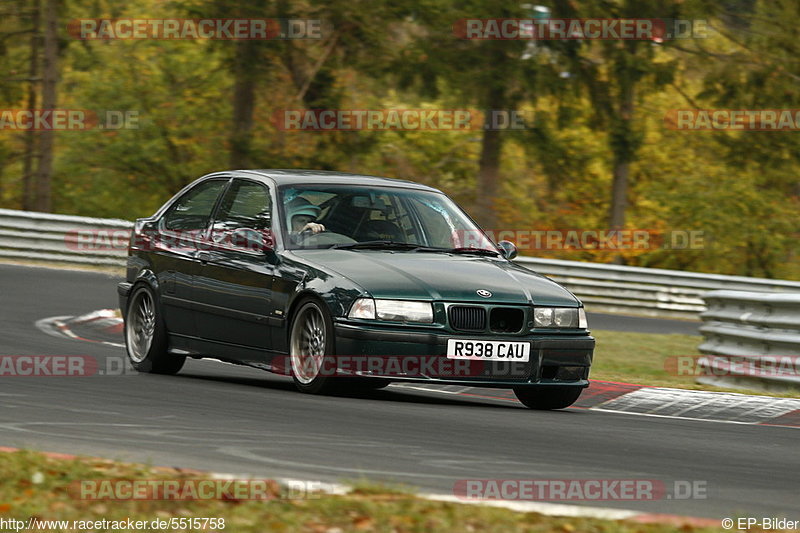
[38, 485]
[645, 359]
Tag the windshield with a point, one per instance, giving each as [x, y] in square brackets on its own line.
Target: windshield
[326, 216]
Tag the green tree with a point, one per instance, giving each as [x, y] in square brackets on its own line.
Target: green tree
[487, 74]
[759, 68]
[617, 75]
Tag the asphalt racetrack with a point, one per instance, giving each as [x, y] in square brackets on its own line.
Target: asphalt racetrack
[236, 420]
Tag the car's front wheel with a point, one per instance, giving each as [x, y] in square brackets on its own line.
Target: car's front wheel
[311, 348]
[546, 398]
[146, 335]
[366, 384]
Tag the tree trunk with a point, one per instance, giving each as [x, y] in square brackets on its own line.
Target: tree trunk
[29, 155]
[619, 194]
[44, 172]
[488, 179]
[623, 148]
[489, 165]
[623, 154]
[243, 104]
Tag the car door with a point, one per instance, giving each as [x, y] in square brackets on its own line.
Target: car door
[174, 252]
[233, 286]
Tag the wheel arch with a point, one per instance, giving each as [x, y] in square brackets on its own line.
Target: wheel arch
[146, 278]
[336, 298]
[299, 298]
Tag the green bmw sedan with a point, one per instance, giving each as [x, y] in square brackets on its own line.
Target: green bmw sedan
[346, 282]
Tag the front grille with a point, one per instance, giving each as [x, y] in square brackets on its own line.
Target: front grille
[506, 319]
[467, 318]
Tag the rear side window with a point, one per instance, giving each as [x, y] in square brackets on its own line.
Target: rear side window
[192, 211]
[246, 204]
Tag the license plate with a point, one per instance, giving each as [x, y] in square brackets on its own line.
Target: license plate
[488, 350]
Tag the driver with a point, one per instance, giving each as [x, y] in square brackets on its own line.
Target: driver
[302, 216]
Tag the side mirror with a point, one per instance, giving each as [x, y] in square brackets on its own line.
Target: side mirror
[508, 249]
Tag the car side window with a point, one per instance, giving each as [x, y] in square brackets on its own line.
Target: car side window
[192, 211]
[246, 204]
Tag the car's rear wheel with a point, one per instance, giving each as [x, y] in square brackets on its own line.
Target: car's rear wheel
[311, 348]
[546, 398]
[146, 335]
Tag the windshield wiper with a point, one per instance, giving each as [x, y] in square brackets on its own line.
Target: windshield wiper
[477, 251]
[376, 245]
[392, 245]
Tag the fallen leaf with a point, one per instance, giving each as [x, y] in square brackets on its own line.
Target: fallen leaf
[363, 522]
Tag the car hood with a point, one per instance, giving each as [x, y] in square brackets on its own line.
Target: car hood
[440, 276]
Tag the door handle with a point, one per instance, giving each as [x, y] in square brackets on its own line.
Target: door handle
[203, 257]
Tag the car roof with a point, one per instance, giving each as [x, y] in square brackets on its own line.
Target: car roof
[307, 177]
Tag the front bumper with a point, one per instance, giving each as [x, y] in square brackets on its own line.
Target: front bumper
[555, 359]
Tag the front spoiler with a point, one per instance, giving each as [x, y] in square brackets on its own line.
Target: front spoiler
[555, 360]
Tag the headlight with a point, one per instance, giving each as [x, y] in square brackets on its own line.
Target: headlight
[543, 317]
[559, 317]
[394, 310]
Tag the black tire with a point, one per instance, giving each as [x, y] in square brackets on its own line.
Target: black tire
[364, 384]
[142, 320]
[546, 398]
[311, 349]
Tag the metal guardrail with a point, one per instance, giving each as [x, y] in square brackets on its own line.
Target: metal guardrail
[61, 238]
[751, 339]
[647, 291]
[602, 287]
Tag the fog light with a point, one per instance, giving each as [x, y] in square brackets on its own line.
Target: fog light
[571, 373]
